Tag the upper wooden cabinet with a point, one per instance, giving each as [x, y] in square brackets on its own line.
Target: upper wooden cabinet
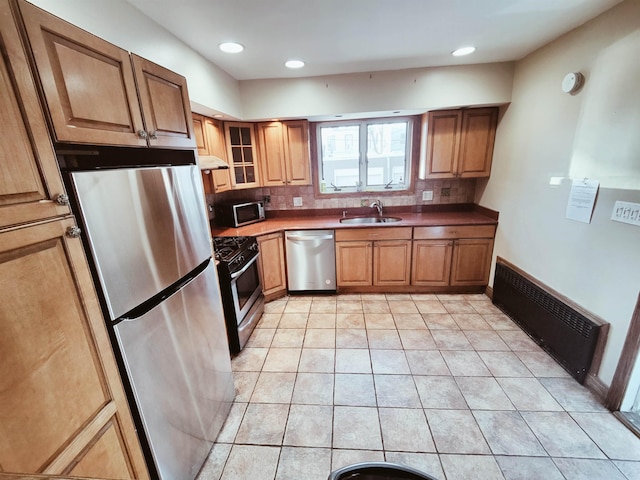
[460, 142]
[30, 184]
[63, 409]
[284, 153]
[165, 104]
[91, 91]
[241, 154]
[209, 135]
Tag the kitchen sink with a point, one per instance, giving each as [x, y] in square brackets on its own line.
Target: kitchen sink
[360, 220]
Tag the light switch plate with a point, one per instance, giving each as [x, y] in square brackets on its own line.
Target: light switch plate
[297, 201]
[427, 195]
[626, 212]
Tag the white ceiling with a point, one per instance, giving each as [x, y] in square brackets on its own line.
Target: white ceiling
[347, 36]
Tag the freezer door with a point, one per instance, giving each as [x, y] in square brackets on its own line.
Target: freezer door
[146, 227]
[178, 363]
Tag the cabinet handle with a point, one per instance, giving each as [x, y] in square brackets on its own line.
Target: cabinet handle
[62, 199]
[153, 135]
[73, 232]
[284, 181]
[142, 134]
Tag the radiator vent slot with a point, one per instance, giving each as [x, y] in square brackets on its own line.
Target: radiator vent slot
[565, 333]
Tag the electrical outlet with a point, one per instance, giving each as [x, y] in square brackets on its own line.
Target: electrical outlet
[297, 201]
[445, 192]
[267, 199]
[427, 195]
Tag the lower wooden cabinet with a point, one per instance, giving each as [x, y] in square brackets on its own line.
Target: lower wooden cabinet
[452, 255]
[63, 409]
[373, 257]
[354, 263]
[471, 261]
[431, 264]
[271, 265]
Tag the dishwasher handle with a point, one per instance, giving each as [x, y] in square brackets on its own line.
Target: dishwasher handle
[309, 237]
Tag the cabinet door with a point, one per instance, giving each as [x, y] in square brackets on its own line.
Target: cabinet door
[62, 406]
[296, 152]
[241, 155]
[215, 138]
[476, 142]
[30, 180]
[471, 261]
[431, 264]
[392, 262]
[88, 83]
[271, 154]
[271, 264]
[165, 105]
[443, 143]
[200, 134]
[354, 263]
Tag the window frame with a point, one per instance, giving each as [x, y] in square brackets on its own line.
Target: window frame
[411, 156]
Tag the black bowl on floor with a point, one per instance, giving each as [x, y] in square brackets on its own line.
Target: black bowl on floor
[378, 471]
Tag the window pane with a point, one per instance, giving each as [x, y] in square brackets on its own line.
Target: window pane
[234, 134]
[237, 154]
[386, 153]
[340, 155]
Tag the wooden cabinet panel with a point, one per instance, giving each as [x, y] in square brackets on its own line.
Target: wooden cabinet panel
[165, 104]
[392, 262]
[431, 264]
[58, 378]
[105, 455]
[30, 180]
[87, 82]
[454, 231]
[354, 263]
[271, 155]
[284, 153]
[443, 143]
[460, 142]
[271, 264]
[200, 134]
[296, 152]
[215, 138]
[379, 233]
[476, 143]
[471, 261]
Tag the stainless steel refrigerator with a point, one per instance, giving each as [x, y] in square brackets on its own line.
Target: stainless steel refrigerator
[149, 238]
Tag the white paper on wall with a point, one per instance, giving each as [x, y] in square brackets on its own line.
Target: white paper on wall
[582, 200]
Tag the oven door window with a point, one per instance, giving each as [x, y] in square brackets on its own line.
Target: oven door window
[246, 285]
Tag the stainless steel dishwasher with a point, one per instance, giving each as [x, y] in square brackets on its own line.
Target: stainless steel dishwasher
[311, 260]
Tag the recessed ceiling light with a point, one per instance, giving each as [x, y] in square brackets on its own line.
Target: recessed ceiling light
[231, 47]
[294, 64]
[463, 51]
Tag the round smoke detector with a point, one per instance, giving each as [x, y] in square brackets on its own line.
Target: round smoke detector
[572, 82]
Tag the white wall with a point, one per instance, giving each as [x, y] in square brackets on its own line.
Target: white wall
[211, 90]
[413, 91]
[542, 132]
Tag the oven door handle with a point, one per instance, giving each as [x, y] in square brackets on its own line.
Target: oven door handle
[245, 268]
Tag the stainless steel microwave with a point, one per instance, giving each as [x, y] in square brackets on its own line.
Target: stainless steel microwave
[239, 214]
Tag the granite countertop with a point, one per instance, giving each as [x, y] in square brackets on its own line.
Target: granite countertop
[318, 222]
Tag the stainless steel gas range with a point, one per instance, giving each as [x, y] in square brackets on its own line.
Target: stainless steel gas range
[240, 287]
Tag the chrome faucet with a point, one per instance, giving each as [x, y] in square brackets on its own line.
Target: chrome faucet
[377, 204]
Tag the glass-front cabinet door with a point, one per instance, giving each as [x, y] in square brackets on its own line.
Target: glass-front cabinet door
[241, 150]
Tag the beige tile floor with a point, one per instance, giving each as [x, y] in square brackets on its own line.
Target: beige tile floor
[444, 383]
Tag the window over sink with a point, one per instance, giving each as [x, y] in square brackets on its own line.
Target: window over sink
[364, 155]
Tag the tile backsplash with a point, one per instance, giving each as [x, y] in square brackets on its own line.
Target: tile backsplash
[281, 198]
